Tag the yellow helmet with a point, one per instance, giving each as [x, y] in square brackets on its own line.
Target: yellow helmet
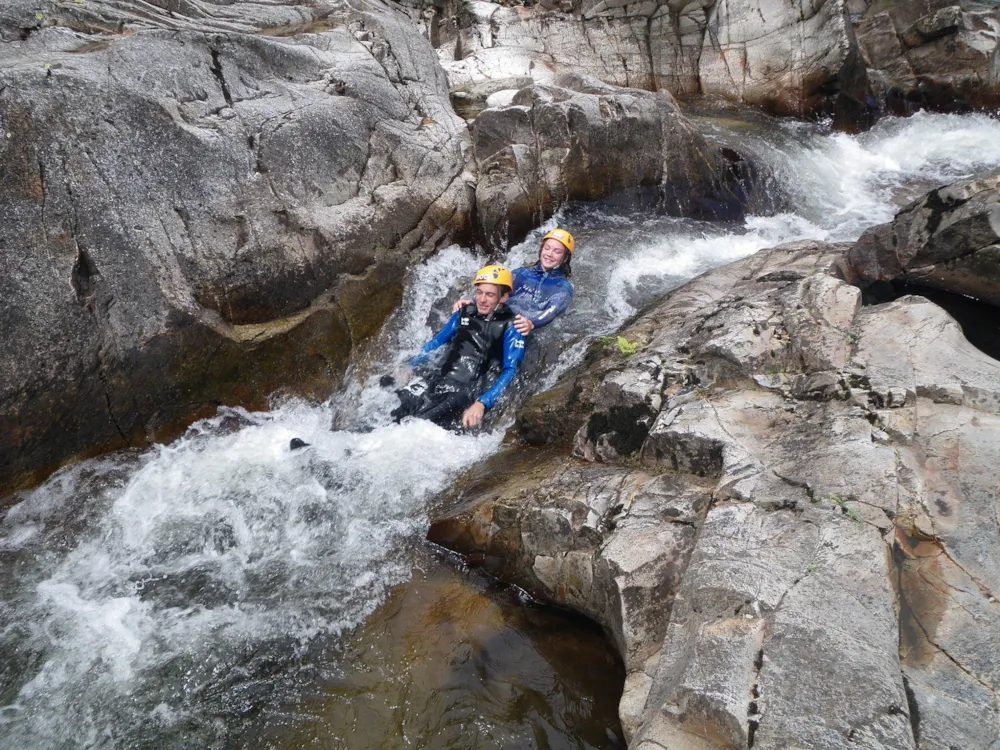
[562, 236]
[494, 275]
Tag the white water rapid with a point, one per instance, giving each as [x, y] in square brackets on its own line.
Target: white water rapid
[154, 598]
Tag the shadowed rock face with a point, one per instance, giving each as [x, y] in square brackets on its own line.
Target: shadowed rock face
[949, 239]
[580, 139]
[191, 214]
[813, 486]
[938, 54]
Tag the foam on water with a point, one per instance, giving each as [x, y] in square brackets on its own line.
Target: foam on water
[221, 539]
[847, 183]
[838, 186]
[431, 282]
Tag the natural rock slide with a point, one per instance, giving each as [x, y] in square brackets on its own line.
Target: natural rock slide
[782, 506]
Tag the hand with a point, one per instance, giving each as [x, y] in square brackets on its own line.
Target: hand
[403, 374]
[460, 304]
[473, 415]
[523, 325]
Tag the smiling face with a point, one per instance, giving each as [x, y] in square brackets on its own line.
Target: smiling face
[488, 296]
[552, 254]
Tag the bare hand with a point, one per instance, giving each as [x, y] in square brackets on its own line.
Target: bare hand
[460, 304]
[523, 325]
[403, 374]
[473, 415]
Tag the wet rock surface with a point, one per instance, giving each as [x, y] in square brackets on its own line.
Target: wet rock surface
[949, 239]
[197, 200]
[782, 506]
[580, 139]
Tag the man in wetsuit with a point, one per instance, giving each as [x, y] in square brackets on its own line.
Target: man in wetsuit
[478, 335]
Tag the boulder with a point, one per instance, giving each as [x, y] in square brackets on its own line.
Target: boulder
[938, 54]
[191, 214]
[580, 139]
[839, 584]
[948, 239]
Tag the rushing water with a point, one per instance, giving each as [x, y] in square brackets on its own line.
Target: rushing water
[223, 591]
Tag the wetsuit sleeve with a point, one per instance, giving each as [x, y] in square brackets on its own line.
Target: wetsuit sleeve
[443, 337]
[513, 353]
[555, 305]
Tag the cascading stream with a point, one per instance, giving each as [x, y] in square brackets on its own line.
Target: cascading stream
[160, 598]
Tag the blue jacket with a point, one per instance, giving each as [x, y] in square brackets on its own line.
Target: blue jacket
[513, 353]
[540, 296]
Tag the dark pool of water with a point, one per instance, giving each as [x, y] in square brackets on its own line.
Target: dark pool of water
[453, 660]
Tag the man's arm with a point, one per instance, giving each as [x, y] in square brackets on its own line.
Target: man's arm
[513, 353]
[443, 337]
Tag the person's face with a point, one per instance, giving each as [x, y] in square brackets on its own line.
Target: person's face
[552, 254]
[488, 297]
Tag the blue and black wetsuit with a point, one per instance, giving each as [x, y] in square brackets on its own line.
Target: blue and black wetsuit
[475, 342]
[541, 296]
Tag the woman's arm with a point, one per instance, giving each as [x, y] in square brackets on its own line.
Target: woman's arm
[556, 305]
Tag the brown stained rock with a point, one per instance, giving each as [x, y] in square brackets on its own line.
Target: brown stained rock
[879, 42]
[776, 614]
[948, 629]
